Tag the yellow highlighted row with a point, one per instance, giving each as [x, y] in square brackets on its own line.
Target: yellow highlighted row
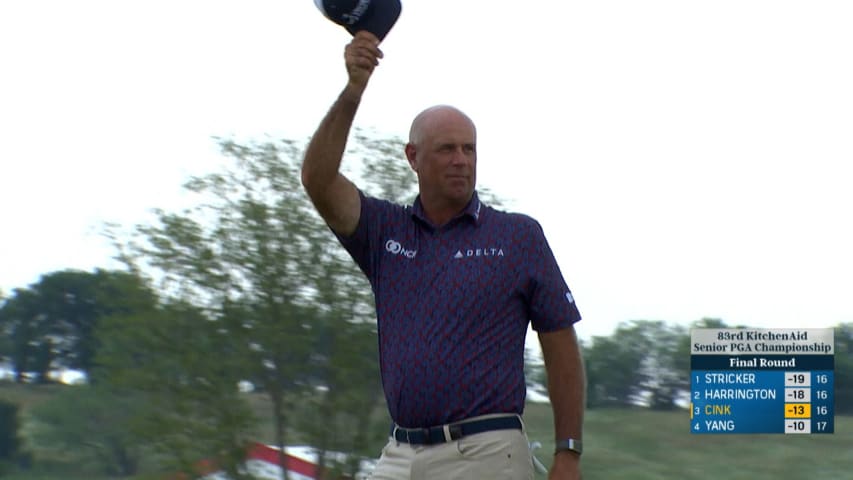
[792, 410]
[798, 410]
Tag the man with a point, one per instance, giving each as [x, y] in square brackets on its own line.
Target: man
[456, 283]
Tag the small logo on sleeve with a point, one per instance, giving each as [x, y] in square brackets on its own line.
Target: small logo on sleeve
[569, 297]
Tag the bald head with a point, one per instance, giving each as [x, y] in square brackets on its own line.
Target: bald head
[442, 150]
[428, 121]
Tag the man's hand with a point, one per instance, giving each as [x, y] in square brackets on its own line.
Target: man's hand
[362, 55]
[566, 466]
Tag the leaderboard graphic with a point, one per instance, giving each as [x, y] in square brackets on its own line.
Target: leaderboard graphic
[750, 380]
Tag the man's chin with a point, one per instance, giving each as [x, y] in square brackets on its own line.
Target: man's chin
[461, 195]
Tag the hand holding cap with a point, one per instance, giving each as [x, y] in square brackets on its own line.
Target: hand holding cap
[374, 16]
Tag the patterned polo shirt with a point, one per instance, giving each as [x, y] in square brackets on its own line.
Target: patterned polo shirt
[453, 304]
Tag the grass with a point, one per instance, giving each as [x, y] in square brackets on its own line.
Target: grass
[626, 444]
[27, 396]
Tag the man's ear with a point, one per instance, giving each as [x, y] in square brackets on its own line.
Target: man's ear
[411, 152]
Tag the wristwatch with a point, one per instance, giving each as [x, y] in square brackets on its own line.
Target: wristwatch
[569, 444]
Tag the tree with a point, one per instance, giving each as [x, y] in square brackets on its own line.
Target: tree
[178, 371]
[50, 325]
[642, 362]
[260, 265]
[348, 398]
[30, 342]
[666, 367]
[613, 371]
[708, 322]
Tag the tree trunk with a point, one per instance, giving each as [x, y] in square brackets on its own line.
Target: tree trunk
[279, 418]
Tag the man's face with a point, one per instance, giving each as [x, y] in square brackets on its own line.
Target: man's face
[445, 159]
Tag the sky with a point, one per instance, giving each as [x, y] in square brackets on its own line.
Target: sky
[685, 158]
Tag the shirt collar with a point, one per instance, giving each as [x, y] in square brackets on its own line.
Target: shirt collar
[473, 210]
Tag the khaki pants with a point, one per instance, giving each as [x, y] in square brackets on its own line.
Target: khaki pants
[494, 455]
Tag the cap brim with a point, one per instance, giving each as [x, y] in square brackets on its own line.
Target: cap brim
[378, 19]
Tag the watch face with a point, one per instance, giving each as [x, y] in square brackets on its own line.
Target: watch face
[571, 445]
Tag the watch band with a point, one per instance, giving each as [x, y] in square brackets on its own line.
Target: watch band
[569, 444]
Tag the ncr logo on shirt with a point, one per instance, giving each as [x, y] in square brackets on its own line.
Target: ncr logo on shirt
[479, 252]
[395, 248]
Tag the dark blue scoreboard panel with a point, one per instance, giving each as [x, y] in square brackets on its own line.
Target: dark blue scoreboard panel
[761, 380]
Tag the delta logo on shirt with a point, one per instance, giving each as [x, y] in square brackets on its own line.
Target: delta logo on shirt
[479, 252]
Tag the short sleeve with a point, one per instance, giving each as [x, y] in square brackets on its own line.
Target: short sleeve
[551, 303]
[362, 243]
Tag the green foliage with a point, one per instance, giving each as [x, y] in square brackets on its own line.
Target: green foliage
[50, 325]
[29, 344]
[349, 396]
[261, 266]
[642, 362]
[667, 366]
[708, 322]
[843, 381]
[613, 373]
[178, 370]
[90, 424]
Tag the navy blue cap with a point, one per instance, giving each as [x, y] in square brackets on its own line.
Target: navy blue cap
[375, 16]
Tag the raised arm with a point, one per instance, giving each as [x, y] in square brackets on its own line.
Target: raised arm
[335, 197]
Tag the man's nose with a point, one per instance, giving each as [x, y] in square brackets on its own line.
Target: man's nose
[459, 157]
